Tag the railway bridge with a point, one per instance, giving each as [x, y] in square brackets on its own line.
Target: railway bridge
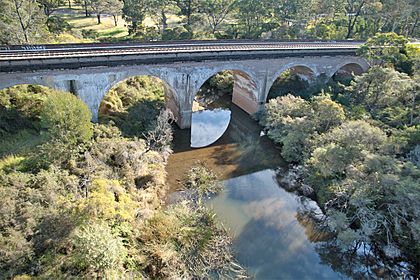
[90, 70]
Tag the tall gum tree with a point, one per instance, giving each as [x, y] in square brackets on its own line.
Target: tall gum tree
[21, 21]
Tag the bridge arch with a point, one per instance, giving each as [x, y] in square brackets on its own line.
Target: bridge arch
[356, 67]
[246, 86]
[350, 69]
[170, 95]
[304, 72]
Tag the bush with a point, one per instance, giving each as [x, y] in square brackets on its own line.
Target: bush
[90, 34]
[57, 25]
[67, 119]
[98, 250]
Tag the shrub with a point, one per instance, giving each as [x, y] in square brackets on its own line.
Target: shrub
[98, 250]
[67, 119]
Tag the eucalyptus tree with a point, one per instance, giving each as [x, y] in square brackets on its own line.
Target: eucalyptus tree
[252, 15]
[50, 6]
[216, 11]
[135, 11]
[187, 8]
[21, 21]
[98, 7]
[114, 8]
[159, 11]
[86, 6]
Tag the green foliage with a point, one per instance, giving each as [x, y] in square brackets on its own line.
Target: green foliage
[202, 181]
[214, 91]
[90, 34]
[134, 105]
[187, 242]
[26, 99]
[389, 96]
[367, 193]
[57, 25]
[22, 22]
[67, 119]
[385, 48]
[344, 146]
[98, 250]
[292, 122]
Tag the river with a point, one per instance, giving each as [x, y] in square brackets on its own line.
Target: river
[272, 237]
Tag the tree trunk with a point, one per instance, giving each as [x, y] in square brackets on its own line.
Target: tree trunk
[99, 18]
[86, 8]
[22, 25]
[115, 19]
[69, 4]
[164, 21]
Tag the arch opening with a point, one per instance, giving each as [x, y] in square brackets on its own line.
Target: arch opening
[214, 102]
[135, 103]
[346, 73]
[297, 80]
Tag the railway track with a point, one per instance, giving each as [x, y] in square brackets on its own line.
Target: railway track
[16, 53]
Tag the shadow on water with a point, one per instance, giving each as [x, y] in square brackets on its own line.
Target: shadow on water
[240, 150]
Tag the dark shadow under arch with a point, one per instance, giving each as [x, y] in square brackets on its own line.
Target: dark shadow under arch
[135, 102]
[346, 72]
[295, 80]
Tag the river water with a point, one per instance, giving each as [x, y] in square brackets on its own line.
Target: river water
[272, 238]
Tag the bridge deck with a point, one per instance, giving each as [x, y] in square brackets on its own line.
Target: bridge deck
[34, 57]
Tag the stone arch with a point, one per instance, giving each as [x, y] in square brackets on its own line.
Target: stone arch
[357, 66]
[16, 82]
[171, 97]
[306, 72]
[246, 86]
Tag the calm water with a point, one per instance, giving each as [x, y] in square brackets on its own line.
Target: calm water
[271, 236]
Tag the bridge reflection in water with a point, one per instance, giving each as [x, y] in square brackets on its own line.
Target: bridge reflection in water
[273, 237]
[239, 151]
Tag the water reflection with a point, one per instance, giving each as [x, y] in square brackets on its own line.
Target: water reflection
[241, 150]
[208, 126]
[272, 232]
[269, 239]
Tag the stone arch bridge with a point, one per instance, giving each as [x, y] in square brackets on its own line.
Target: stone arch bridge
[90, 70]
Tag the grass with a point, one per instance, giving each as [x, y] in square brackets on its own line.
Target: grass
[11, 162]
[106, 30]
[20, 142]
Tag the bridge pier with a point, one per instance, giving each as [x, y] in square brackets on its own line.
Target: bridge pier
[245, 92]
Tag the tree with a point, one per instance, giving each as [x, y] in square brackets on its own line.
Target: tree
[50, 5]
[216, 11]
[66, 118]
[385, 48]
[98, 7]
[291, 11]
[251, 15]
[86, 5]
[343, 146]
[293, 122]
[354, 10]
[388, 95]
[159, 10]
[114, 8]
[97, 249]
[135, 11]
[187, 8]
[21, 21]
